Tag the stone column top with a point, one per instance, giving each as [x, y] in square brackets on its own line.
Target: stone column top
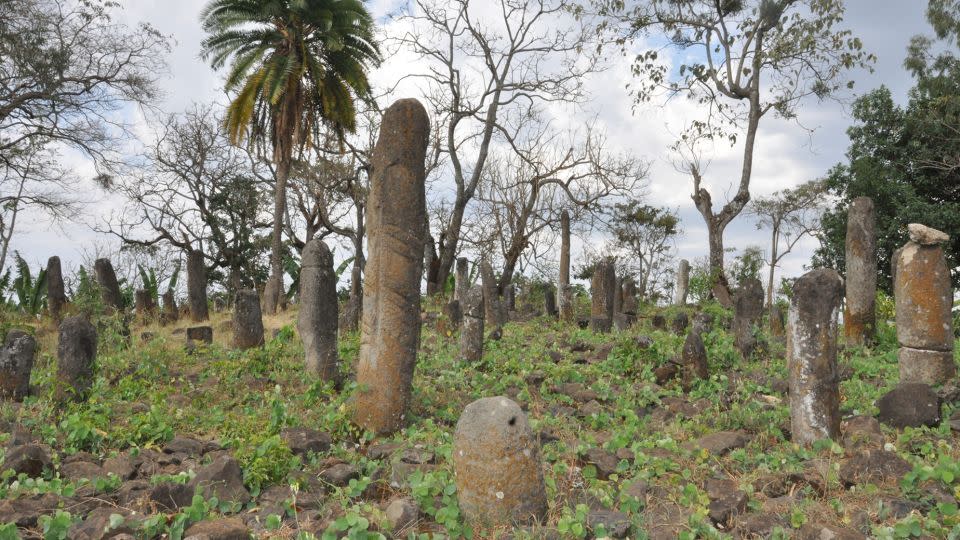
[926, 236]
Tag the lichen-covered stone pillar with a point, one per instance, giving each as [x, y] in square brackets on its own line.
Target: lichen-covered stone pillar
[630, 299]
[56, 292]
[170, 311]
[496, 460]
[396, 217]
[462, 284]
[317, 319]
[197, 286]
[16, 365]
[859, 318]
[747, 312]
[491, 300]
[247, 320]
[143, 304]
[550, 301]
[924, 298]
[812, 356]
[109, 286]
[683, 283]
[564, 292]
[471, 332]
[617, 295]
[601, 289]
[76, 352]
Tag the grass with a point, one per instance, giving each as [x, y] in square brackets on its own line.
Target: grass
[145, 393]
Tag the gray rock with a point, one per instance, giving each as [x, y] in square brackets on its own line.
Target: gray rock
[317, 318]
[302, 441]
[926, 236]
[76, 352]
[247, 320]
[616, 524]
[223, 479]
[218, 529]
[340, 474]
[16, 365]
[873, 466]
[910, 405]
[28, 459]
[496, 459]
[402, 514]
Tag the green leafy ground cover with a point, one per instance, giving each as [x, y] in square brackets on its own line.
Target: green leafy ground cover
[660, 483]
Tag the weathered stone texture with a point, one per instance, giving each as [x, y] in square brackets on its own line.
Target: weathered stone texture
[550, 302]
[747, 311]
[109, 286]
[317, 319]
[170, 311]
[462, 283]
[683, 283]
[16, 364]
[693, 360]
[396, 218]
[471, 334]
[496, 459]
[812, 357]
[197, 286]
[76, 352]
[924, 298]
[565, 298]
[247, 320]
[56, 292]
[601, 290]
[859, 320]
[491, 299]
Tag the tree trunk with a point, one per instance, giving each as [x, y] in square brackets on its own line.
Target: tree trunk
[274, 285]
[773, 268]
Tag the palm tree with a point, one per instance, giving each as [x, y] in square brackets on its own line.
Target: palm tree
[296, 67]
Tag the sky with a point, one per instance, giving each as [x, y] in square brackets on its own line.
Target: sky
[787, 154]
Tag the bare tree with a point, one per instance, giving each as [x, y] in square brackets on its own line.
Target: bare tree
[198, 192]
[66, 71]
[741, 60]
[790, 214]
[485, 61]
[39, 183]
[537, 175]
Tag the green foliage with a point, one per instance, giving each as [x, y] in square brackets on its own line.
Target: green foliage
[29, 293]
[746, 265]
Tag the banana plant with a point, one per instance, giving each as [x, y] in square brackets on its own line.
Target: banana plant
[29, 293]
[151, 283]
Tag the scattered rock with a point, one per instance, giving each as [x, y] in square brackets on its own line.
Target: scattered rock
[183, 445]
[721, 442]
[223, 479]
[910, 405]
[820, 531]
[171, 496]
[28, 459]
[302, 441]
[97, 525]
[402, 514]
[218, 529]
[926, 236]
[340, 474]
[616, 524]
[605, 462]
[76, 470]
[873, 466]
[862, 432]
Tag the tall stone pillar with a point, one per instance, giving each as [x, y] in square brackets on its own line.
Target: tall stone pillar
[317, 319]
[564, 291]
[812, 356]
[601, 289]
[462, 284]
[491, 300]
[396, 219]
[56, 292]
[247, 320]
[197, 286]
[683, 283]
[924, 298]
[76, 352]
[747, 312]
[471, 333]
[109, 286]
[859, 319]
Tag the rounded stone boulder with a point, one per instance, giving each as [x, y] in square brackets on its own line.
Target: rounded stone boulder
[496, 459]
